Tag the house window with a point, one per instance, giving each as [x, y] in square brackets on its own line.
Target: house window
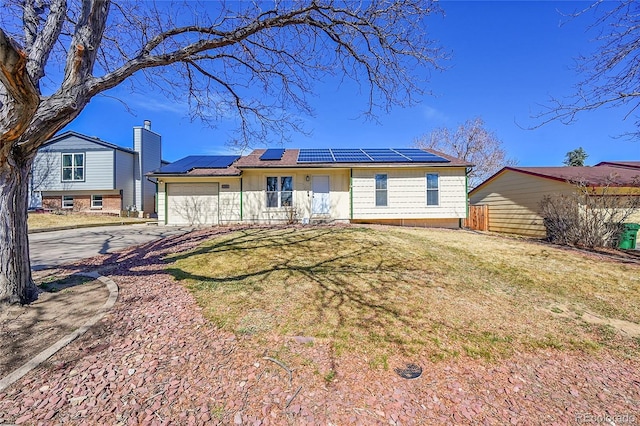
[67, 202]
[381, 190]
[279, 191]
[433, 189]
[96, 201]
[72, 167]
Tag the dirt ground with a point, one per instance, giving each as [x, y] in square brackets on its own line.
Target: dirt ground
[63, 306]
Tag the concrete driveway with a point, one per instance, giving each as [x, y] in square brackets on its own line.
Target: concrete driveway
[50, 249]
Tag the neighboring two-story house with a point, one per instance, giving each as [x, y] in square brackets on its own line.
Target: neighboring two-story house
[76, 172]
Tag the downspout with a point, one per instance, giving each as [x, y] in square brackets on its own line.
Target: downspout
[241, 218]
[350, 194]
[466, 193]
[466, 189]
[156, 198]
[218, 207]
[155, 182]
[166, 203]
[115, 181]
[115, 170]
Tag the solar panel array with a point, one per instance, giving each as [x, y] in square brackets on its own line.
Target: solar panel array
[272, 154]
[374, 155]
[191, 162]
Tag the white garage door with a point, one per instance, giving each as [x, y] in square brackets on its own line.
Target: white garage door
[192, 203]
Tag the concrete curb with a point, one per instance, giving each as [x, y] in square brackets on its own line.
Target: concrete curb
[90, 225]
[44, 355]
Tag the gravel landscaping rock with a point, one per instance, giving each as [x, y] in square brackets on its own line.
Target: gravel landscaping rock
[155, 360]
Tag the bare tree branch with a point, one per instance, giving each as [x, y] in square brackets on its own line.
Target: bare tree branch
[19, 99]
[44, 41]
[473, 143]
[84, 44]
[610, 77]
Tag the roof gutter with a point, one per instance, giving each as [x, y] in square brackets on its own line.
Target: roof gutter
[163, 175]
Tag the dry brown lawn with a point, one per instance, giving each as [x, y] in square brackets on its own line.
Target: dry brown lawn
[52, 220]
[381, 291]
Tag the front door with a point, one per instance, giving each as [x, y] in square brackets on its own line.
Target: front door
[320, 189]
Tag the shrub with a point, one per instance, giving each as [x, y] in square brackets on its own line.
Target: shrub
[589, 217]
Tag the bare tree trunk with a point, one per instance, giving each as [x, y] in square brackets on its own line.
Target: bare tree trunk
[16, 284]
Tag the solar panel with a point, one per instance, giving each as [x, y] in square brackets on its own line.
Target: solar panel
[315, 156]
[272, 154]
[350, 156]
[191, 162]
[386, 156]
[420, 156]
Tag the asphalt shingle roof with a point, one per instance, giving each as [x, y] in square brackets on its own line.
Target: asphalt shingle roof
[604, 175]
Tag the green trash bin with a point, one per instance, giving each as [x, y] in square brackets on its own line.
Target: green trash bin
[629, 236]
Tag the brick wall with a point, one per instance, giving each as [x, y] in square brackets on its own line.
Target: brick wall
[111, 203]
[53, 203]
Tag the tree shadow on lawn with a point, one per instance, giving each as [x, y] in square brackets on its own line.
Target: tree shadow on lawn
[343, 295]
[349, 297]
[256, 238]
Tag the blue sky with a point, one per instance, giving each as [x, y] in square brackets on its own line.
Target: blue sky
[507, 59]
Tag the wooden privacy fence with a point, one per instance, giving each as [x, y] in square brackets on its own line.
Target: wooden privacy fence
[478, 218]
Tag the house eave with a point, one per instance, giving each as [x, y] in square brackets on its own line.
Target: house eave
[95, 140]
[353, 166]
[174, 175]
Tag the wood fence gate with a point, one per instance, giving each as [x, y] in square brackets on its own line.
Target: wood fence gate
[478, 218]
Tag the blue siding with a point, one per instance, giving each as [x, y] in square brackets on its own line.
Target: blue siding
[124, 167]
[98, 166]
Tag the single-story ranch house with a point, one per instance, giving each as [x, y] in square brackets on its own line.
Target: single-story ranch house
[513, 194]
[390, 186]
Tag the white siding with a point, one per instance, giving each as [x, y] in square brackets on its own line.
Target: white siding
[229, 201]
[255, 196]
[634, 218]
[407, 193]
[162, 203]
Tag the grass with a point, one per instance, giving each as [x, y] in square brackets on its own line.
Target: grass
[415, 292]
[51, 220]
